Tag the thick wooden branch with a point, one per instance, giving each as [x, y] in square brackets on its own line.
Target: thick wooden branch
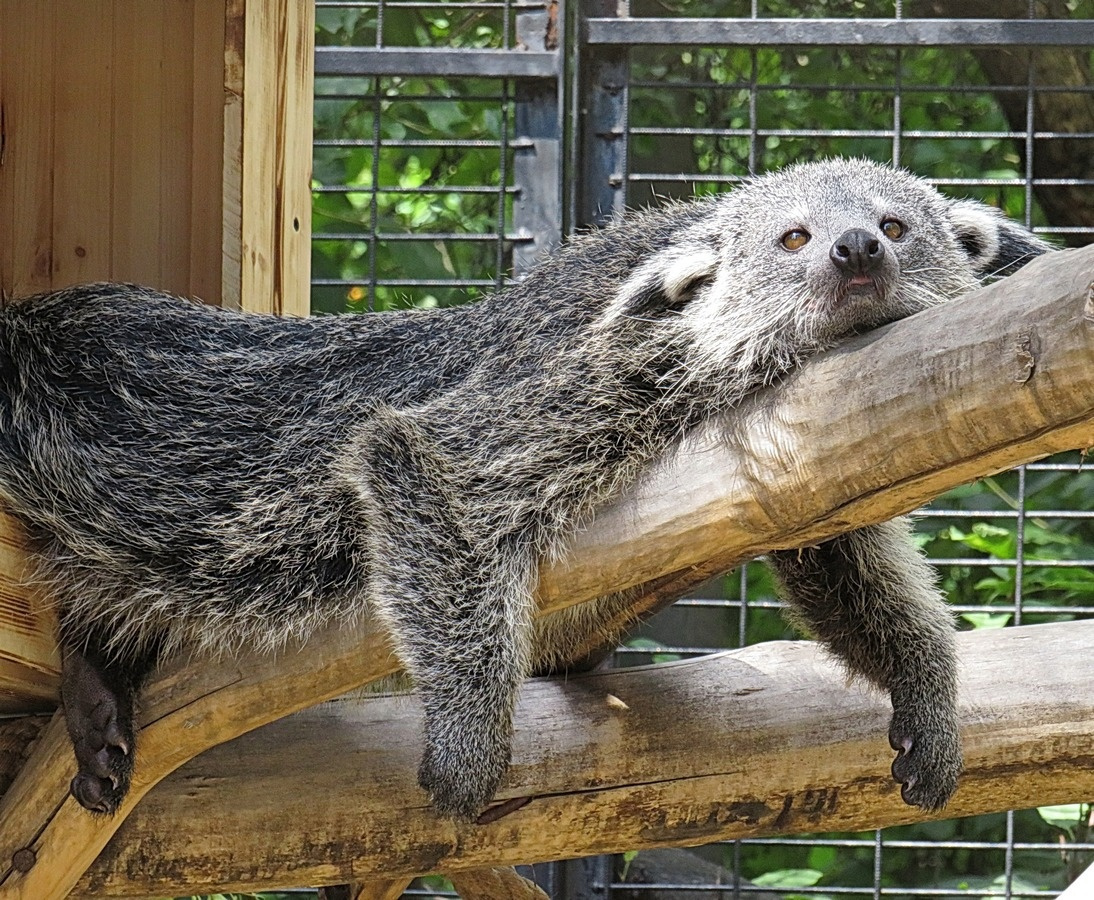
[873, 429]
[857, 436]
[767, 740]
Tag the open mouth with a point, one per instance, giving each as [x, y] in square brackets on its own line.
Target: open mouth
[858, 289]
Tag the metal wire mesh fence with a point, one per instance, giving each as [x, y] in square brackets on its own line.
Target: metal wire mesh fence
[456, 142]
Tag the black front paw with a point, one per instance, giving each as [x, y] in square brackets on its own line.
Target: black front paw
[928, 760]
[103, 742]
[100, 722]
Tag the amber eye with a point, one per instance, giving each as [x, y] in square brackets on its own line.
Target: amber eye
[796, 239]
[892, 229]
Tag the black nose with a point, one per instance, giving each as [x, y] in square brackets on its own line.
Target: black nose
[857, 252]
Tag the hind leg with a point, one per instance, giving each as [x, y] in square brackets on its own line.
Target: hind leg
[98, 696]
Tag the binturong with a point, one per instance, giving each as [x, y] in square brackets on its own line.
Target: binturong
[199, 479]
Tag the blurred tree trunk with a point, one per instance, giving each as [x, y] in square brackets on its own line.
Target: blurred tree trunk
[1060, 111]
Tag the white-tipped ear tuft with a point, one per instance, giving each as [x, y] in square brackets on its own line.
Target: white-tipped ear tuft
[977, 229]
[664, 283]
[995, 244]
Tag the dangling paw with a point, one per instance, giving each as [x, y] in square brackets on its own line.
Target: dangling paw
[928, 760]
[100, 723]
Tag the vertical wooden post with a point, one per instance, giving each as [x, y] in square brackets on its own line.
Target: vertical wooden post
[268, 76]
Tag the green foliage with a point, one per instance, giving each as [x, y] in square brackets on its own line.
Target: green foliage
[985, 571]
[429, 190]
[955, 855]
[785, 879]
[657, 652]
[839, 99]
[437, 883]
[1072, 819]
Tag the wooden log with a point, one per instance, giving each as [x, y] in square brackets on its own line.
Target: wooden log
[767, 740]
[17, 736]
[381, 890]
[863, 433]
[495, 884]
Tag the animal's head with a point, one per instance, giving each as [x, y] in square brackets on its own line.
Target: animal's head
[820, 250]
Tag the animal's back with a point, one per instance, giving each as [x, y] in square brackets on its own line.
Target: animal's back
[175, 462]
[177, 465]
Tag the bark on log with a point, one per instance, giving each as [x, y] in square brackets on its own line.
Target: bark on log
[766, 740]
[866, 432]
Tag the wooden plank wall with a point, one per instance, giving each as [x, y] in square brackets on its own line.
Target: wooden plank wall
[29, 662]
[112, 165]
[166, 143]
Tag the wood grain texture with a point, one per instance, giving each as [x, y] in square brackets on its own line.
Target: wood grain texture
[176, 145]
[32, 131]
[82, 147]
[30, 663]
[231, 231]
[269, 47]
[208, 151]
[137, 117]
[767, 740]
[17, 737]
[112, 113]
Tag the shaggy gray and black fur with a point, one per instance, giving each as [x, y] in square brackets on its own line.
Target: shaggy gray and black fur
[202, 478]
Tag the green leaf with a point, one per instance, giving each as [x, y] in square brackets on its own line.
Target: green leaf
[1065, 817]
[789, 878]
[986, 620]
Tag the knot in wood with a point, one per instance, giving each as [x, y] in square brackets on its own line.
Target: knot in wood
[1025, 353]
[23, 860]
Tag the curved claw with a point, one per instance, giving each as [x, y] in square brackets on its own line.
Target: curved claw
[93, 793]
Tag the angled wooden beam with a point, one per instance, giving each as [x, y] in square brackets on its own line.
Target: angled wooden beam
[859, 435]
[495, 884]
[766, 740]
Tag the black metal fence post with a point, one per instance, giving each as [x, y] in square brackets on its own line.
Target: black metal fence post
[603, 77]
[538, 139]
